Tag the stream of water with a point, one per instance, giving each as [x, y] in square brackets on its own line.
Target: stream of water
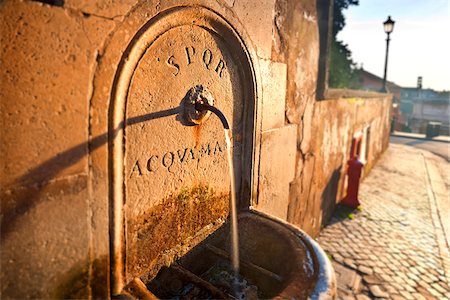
[233, 212]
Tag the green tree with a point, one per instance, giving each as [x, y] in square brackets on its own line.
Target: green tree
[342, 70]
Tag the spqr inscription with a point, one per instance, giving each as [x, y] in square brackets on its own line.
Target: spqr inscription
[166, 161]
[209, 60]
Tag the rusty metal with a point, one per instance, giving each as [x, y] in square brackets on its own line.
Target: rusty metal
[138, 289]
[217, 112]
[216, 293]
[224, 254]
[190, 113]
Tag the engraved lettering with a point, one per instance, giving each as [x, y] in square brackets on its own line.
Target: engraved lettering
[182, 156]
[217, 148]
[191, 152]
[149, 163]
[168, 162]
[207, 58]
[136, 168]
[206, 149]
[189, 54]
[220, 67]
[171, 62]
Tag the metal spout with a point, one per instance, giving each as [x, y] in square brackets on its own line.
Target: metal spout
[203, 106]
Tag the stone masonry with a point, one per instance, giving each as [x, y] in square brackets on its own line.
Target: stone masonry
[59, 62]
[395, 247]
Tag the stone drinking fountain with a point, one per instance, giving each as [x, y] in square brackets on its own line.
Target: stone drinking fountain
[169, 186]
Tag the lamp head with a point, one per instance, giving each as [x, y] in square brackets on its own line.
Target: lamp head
[388, 25]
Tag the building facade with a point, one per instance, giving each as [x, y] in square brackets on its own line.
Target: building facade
[420, 106]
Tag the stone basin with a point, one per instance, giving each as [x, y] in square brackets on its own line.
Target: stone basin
[277, 257]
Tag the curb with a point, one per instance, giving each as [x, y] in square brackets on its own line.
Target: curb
[418, 138]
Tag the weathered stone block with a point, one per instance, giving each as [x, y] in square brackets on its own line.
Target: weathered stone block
[45, 252]
[103, 8]
[274, 94]
[47, 56]
[277, 169]
[258, 21]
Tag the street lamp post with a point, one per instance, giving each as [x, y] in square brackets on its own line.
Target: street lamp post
[388, 28]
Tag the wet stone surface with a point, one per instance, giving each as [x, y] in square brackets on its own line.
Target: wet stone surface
[393, 248]
[221, 275]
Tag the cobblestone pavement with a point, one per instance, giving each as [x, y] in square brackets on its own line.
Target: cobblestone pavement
[395, 247]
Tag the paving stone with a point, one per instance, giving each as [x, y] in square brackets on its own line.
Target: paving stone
[418, 296]
[386, 278]
[380, 264]
[410, 282]
[344, 293]
[444, 285]
[427, 279]
[350, 263]
[371, 279]
[394, 236]
[435, 293]
[424, 292]
[397, 297]
[407, 295]
[365, 270]
[439, 288]
[390, 289]
[362, 297]
[377, 292]
[410, 288]
[414, 277]
[415, 271]
[424, 285]
[398, 287]
[347, 279]
[363, 255]
[338, 258]
[378, 270]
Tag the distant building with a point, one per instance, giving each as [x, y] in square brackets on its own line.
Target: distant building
[413, 107]
[372, 82]
[420, 106]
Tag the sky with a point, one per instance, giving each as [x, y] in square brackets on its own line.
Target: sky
[419, 46]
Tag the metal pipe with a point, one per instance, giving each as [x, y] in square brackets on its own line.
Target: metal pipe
[202, 106]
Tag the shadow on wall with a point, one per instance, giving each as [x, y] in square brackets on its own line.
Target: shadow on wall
[52, 2]
[22, 199]
[329, 195]
[75, 284]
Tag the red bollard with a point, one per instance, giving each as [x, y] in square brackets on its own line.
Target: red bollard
[354, 174]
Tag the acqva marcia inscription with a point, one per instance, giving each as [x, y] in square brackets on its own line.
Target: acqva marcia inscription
[206, 58]
[166, 161]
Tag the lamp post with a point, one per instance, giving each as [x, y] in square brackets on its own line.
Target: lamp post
[388, 28]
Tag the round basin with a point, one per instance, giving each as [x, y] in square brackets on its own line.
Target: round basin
[277, 260]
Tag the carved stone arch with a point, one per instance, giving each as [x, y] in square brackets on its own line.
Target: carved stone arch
[222, 31]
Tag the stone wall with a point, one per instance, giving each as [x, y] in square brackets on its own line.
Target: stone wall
[57, 67]
[322, 180]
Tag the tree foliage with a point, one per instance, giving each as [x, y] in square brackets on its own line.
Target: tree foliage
[338, 15]
[342, 71]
